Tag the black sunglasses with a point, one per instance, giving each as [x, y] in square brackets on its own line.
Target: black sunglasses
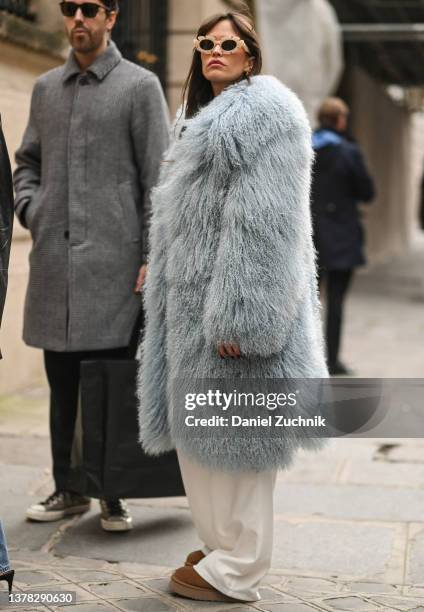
[88, 9]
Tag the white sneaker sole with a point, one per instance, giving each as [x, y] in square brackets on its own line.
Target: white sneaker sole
[116, 525]
[48, 517]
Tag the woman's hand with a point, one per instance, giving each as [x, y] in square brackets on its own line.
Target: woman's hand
[141, 278]
[229, 349]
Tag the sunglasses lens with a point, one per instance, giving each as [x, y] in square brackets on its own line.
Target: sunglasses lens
[89, 9]
[228, 45]
[68, 9]
[206, 44]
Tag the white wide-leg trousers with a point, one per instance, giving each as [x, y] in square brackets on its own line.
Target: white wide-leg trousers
[233, 516]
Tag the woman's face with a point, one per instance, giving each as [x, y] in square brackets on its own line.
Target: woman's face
[220, 68]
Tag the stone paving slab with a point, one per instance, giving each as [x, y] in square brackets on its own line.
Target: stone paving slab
[19, 481]
[382, 336]
[351, 602]
[415, 570]
[307, 469]
[38, 578]
[374, 587]
[150, 604]
[148, 542]
[289, 607]
[114, 590]
[21, 450]
[351, 502]
[351, 549]
[15, 497]
[379, 473]
[305, 585]
[25, 414]
[80, 575]
[398, 603]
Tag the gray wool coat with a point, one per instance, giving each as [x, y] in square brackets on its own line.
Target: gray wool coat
[89, 158]
[232, 260]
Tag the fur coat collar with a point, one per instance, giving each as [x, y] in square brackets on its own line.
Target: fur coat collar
[239, 122]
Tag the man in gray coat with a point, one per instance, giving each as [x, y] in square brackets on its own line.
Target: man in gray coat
[6, 218]
[90, 155]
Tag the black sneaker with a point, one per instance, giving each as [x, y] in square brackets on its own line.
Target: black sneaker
[115, 515]
[57, 506]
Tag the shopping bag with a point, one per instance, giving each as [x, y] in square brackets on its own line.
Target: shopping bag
[107, 459]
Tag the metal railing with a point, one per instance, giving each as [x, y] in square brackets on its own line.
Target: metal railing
[16, 7]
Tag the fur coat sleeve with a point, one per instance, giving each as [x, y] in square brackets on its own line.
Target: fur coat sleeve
[263, 153]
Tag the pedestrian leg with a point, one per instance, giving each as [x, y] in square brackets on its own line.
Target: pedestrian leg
[4, 555]
[338, 282]
[62, 371]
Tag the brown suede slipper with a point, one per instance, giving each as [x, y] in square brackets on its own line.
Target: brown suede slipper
[185, 581]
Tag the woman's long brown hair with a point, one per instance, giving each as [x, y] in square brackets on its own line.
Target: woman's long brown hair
[197, 90]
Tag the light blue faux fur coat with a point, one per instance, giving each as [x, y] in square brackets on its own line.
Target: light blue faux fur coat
[232, 260]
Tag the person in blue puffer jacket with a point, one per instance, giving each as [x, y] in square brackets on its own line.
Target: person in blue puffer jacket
[341, 182]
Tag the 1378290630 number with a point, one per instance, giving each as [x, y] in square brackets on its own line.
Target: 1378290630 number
[46, 597]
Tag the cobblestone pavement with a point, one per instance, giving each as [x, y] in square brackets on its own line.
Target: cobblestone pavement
[102, 586]
[349, 522]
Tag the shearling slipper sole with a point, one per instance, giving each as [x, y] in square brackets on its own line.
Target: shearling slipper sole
[200, 594]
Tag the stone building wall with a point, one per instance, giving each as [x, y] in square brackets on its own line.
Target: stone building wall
[392, 141]
[312, 70]
[19, 67]
[47, 14]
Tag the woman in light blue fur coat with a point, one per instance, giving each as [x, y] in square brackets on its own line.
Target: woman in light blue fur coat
[230, 293]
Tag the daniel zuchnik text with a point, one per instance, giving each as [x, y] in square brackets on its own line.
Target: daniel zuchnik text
[224, 401]
[268, 421]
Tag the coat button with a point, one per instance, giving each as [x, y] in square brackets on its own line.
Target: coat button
[84, 80]
[331, 207]
[66, 234]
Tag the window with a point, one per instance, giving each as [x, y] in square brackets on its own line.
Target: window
[141, 34]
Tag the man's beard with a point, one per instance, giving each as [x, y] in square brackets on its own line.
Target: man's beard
[85, 44]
